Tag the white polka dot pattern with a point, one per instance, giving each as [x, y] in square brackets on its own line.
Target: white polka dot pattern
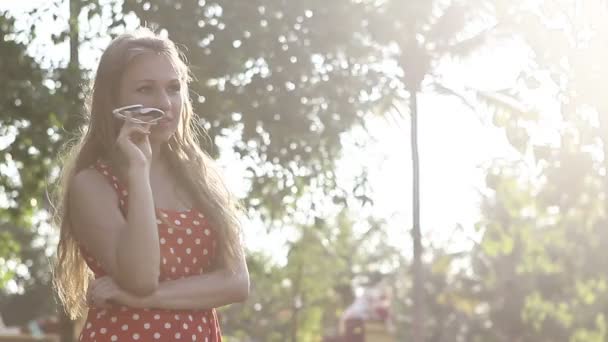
[144, 329]
[186, 247]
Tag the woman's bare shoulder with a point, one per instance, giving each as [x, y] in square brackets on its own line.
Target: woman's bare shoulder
[89, 189]
[90, 179]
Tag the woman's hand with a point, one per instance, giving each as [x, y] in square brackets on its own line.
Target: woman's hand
[104, 293]
[133, 140]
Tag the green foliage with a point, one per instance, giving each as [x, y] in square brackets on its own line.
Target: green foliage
[544, 245]
[283, 76]
[289, 81]
[303, 299]
[27, 148]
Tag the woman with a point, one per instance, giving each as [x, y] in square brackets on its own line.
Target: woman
[143, 210]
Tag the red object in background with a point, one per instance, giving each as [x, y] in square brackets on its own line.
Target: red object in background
[382, 313]
[366, 319]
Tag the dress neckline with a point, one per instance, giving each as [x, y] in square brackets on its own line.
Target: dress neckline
[176, 211]
[123, 192]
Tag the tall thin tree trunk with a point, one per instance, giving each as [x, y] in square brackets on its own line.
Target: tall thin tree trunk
[418, 291]
[74, 34]
[73, 77]
[73, 74]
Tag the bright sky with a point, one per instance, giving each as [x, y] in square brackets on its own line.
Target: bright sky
[455, 146]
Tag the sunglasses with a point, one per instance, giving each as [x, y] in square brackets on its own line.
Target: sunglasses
[139, 114]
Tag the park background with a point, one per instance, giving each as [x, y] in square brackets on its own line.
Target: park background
[451, 151]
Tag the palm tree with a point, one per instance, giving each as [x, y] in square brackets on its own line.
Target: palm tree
[422, 33]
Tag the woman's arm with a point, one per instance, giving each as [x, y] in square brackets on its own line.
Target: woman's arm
[137, 247]
[205, 291]
[127, 248]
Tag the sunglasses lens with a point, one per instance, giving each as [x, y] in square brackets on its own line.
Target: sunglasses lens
[149, 115]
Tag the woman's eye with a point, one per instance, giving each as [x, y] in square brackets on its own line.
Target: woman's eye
[175, 88]
[144, 89]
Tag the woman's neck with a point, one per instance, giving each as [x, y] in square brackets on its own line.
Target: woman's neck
[156, 163]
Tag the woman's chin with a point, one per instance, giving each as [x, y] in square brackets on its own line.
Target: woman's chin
[161, 136]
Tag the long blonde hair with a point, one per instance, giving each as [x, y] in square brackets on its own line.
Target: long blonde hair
[193, 168]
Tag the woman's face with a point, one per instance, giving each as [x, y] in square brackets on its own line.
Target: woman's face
[151, 80]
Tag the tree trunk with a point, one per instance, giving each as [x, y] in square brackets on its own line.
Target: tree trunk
[73, 76]
[74, 63]
[418, 290]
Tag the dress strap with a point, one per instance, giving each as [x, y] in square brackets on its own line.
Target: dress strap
[120, 189]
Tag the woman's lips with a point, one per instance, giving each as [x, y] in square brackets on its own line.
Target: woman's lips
[163, 123]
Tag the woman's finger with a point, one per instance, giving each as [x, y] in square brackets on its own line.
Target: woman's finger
[101, 294]
[100, 301]
[130, 121]
[90, 290]
[132, 134]
[127, 131]
[128, 126]
[103, 283]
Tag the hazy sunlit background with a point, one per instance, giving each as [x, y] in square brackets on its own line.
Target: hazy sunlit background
[308, 105]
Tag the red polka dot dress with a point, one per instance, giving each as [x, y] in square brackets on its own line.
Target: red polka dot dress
[187, 248]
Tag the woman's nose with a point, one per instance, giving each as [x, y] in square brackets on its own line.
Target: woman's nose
[164, 101]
